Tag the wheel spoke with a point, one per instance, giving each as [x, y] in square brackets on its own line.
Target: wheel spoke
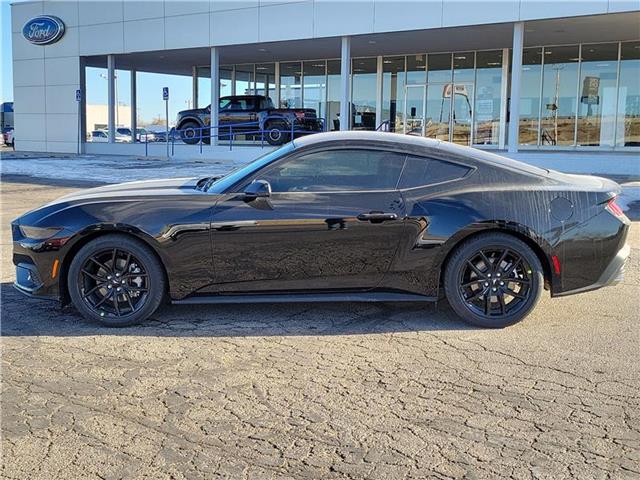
[473, 282]
[475, 269]
[93, 276]
[136, 289]
[126, 264]
[128, 297]
[513, 266]
[519, 296]
[502, 258]
[503, 307]
[114, 297]
[475, 296]
[86, 294]
[521, 281]
[487, 304]
[100, 264]
[486, 261]
[104, 299]
[114, 255]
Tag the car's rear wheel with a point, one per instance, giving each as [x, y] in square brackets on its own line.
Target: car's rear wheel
[276, 133]
[190, 133]
[493, 280]
[116, 280]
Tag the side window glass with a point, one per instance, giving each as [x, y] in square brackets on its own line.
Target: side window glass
[225, 103]
[337, 170]
[421, 171]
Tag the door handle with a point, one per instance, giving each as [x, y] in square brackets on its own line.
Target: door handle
[377, 217]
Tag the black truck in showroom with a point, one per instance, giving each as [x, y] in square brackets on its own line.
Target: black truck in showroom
[251, 115]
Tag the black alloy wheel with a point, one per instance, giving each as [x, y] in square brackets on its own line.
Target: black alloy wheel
[116, 280]
[494, 280]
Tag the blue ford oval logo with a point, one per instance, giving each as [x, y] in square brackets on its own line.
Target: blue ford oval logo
[43, 30]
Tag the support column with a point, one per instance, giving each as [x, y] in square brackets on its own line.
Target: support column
[111, 98]
[276, 100]
[215, 93]
[194, 87]
[504, 93]
[345, 84]
[134, 108]
[516, 76]
[379, 92]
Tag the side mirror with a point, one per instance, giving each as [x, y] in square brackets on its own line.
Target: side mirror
[257, 189]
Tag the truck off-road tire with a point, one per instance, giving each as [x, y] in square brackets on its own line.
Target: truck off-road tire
[190, 133]
[276, 133]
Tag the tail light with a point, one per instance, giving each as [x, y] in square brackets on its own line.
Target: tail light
[614, 208]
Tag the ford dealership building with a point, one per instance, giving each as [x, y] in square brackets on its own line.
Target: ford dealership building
[519, 76]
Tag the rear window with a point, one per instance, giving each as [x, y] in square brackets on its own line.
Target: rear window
[421, 171]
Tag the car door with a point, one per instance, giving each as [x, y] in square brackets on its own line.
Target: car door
[333, 222]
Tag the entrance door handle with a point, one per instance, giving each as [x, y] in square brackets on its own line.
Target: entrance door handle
[377, 217]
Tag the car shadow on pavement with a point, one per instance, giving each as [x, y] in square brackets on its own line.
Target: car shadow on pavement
[23, 316]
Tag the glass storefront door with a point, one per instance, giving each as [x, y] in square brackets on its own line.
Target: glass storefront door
[413, 119]
[442, 111]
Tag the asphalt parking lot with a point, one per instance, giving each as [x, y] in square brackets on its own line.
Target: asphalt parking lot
[384, 391]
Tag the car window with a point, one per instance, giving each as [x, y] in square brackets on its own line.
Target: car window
[336, 170]
[225, 103]
[421, 171]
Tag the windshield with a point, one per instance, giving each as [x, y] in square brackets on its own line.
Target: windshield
[234, 177]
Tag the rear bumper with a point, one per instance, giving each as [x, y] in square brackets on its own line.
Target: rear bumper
[612, 275]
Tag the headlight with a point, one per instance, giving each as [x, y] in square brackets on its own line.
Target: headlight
[38, 233]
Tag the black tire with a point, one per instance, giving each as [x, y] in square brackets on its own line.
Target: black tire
[493, 280]
[276, 133]
[138, 274]
[190, 133]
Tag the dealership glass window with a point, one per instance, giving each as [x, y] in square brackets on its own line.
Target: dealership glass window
[597, 104]
[463, 92]
[488, 98]
[96, 92]
[151, 107]
[333, 95]
[266, 79]
[393, 77]
[363, 93]
[416, 69]
[559, 80]
[628, 121]
[315, 85]
[438, 112]
[291, 85]
[245, 80]
[530, 96]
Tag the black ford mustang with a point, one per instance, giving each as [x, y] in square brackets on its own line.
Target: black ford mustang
[351, 216]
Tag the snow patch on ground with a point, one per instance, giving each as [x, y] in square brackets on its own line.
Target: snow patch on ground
[108, 169]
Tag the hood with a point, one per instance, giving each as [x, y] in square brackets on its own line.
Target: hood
[133, 190]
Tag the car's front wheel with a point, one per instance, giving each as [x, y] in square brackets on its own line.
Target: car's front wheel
[116, 280]
[493, 280]
[190, 133]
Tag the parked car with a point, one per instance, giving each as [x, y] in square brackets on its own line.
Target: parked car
[7, 136]
[142, 135]
[102, 136]
[346, 216]
[255, 112]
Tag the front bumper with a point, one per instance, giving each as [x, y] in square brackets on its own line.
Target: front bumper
[612, 275]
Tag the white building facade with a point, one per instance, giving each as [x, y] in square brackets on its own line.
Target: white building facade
[510, 75]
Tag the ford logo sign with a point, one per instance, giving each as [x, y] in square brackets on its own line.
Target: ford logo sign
[43, 30]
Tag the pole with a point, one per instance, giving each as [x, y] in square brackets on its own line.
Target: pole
[166, 116]
[345, 84]
[111, 120]
[516, 77]
[134, 109]
[215, 95]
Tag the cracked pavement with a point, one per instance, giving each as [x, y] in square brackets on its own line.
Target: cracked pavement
[375, 391]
